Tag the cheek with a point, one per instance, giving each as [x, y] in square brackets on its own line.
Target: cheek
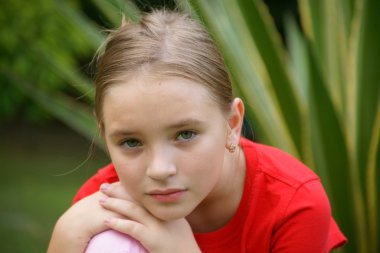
[130, 173]
[131, 181]
[205, 165]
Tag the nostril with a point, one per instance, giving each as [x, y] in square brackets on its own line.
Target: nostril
[161, 172]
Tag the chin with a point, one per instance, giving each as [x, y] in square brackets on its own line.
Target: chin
[169, 213]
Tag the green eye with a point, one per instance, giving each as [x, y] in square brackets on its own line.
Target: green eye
[131, 143]
[186, 135]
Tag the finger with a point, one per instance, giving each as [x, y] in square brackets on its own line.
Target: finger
[115, 190]
[100, 212]
[127, 208]
[129, 227]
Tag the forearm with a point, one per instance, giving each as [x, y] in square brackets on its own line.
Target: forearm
[67, 239]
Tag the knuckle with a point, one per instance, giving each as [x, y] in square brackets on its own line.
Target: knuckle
[131, 206]
[125, 226]
[122, 206]
[131, 228]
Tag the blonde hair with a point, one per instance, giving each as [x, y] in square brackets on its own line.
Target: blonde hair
[164, 43]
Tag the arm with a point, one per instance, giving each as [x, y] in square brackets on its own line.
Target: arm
[72, 232]
[75, 228]
[307, 225]
[107, 210]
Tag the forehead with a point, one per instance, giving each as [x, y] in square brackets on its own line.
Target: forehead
[154, 101]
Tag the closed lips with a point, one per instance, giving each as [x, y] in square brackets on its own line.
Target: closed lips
[165, 192]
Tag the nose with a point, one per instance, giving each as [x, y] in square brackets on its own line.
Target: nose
[161, 166]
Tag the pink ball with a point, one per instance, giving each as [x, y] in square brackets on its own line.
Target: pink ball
[111, 241]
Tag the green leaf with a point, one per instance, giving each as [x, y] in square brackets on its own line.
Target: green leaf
[364, 88]
[363, 94]
[269, 45]
[330, 154]
[88, 29]
[373, 182]
[70, 75]
[62, 107]
[327, 24]
[114, 10]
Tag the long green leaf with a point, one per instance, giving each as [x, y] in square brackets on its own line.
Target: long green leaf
[70, 112]
[114, 10]
[80, 22]
[270, 48]
[327, 24]
[365, 88]
[373, 182]
[362, 99]
[330, 151]
[299, 65]
[71, 76]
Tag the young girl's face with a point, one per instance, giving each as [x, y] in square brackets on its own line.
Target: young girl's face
[166, 139]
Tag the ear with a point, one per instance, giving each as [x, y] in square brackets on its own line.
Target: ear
[235, 122]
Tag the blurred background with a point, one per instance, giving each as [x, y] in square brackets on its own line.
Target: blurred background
[308, 72]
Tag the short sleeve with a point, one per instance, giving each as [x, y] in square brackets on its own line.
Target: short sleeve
[307, 224]
[92, 185]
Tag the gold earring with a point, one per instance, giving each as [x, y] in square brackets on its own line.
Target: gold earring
[232, 148]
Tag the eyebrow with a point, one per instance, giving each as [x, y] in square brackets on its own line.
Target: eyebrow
[176, 125]
[186, 122]
[118, 133]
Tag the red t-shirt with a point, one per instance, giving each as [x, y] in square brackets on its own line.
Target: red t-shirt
[284, 208]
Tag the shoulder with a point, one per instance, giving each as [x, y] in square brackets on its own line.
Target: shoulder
[106, 174]
[288, 198]
[280, 181]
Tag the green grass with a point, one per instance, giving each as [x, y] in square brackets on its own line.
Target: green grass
[33, 194]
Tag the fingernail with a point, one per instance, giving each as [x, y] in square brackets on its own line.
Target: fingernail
[104, 187]
[102, 200]
[107, 220]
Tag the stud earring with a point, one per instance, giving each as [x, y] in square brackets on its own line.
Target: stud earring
[232, 148]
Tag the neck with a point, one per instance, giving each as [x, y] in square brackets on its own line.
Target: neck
[222, 203]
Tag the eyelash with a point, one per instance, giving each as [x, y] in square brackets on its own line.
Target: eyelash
[179, 137]
[193, 135]
[124, 143]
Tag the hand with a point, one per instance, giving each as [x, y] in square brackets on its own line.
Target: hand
[155, 235]
[80, 223]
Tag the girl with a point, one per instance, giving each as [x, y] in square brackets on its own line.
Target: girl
[187, 181]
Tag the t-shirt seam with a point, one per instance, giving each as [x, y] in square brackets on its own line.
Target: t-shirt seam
[282, 218]
[261, 167]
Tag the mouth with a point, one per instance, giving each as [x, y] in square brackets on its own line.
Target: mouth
[167, 195]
